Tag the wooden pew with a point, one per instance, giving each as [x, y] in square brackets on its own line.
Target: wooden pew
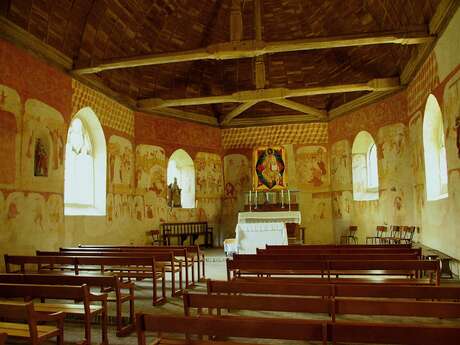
[333, 267]
[322, 246]
[127, 267]
[184, 230]
[194, 253]
[292, 329]
[36, 334]
[335, 251]
[351, 332]
[162, 258]
[112, 285]
[264, 328]
[286, 288]
[2, 338]
[77, 293]
[322, 257]
[332, 306]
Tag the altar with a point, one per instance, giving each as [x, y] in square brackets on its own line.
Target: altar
[257, 229]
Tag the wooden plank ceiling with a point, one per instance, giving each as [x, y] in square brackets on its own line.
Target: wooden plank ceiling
[242, 59]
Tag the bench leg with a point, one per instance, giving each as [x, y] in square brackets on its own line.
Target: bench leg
[104, 322]
[87, 321]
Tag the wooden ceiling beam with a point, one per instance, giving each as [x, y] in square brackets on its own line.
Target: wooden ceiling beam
[260, 95]
[442, 16]
[300, 107]
[237, 111]
[254, 48]
[270, 120]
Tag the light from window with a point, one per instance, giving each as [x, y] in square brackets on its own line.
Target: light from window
[365, 168]
[79, 167]
[85, 166]
[436, 175]
[372, 168]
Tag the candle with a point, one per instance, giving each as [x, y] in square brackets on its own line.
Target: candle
[256, 200]
[250, 200]
[282, 198]
[289, 199]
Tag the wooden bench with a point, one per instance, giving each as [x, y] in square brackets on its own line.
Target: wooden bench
[166, 258]
[291, 329]
[36, 334]
[332, 306]
[288, 288]
[112, 285]
[184, 230]
[332, 251]
[127, 267]
[275, 256]
[194, 253]
[76, 293]
[262, 328]
[335, 268]
[338, 246]
[2, 338]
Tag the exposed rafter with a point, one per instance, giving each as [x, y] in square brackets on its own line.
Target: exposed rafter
[384, 84]
[300, 107]
[237, 111]
[253, 48]
[444, 12]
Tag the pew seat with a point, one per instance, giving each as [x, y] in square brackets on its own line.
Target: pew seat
[36, 334]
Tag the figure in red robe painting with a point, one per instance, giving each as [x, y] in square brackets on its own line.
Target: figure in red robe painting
[270, 168]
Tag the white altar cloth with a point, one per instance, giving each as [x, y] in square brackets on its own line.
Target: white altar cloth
[250, 236]
[270, 217]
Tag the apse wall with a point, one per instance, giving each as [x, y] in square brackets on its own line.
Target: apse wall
[37, 101]
[396, 125]
[307, 169]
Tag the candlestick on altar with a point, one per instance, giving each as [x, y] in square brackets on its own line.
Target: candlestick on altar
[255, 206]
[289, 199]
[282, 198]
[250, 201]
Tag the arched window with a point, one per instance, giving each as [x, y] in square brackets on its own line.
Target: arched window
[434, 149]
[182, 170]
[85, 166]
[365, 168]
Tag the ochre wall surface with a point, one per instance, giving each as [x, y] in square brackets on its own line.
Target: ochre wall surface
[37, 101]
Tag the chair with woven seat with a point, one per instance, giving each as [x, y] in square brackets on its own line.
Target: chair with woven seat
[380, 232]
[407, 234]
[395, 235]
[351, 236]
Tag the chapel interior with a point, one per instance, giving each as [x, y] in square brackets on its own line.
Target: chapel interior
[180, 143]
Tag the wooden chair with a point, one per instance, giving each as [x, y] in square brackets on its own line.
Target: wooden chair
[156, 237]
[36, 334]
[295, 233]
[380, 232]
[351, 236]
[395, 235]
[407, 234]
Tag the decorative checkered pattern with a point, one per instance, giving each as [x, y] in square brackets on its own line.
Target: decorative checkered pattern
[109, 112]
[306, 133]
[425, 81]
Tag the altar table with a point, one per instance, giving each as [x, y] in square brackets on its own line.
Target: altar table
[250, 236]
[270, 217]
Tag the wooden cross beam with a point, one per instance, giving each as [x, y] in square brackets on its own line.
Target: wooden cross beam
[253, 48]
[260, 95]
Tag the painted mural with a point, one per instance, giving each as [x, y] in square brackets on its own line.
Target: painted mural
[451, 112]
[341, 165]
[43, 147]
[312, 166]
[208, 172]
[151, 169]
[121, 164]
[237, 179]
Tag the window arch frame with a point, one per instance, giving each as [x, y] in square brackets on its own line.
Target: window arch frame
[434, 151]
[186, 177]
[365, 151]
[95, 133]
